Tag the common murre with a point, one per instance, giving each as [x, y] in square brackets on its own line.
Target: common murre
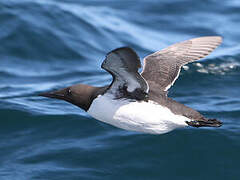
[138, 101]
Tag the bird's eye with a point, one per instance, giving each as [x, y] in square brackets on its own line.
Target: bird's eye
[69, 92]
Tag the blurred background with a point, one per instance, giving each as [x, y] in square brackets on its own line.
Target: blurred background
[50, 44]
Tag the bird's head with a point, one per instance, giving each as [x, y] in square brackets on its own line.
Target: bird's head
[80, 95]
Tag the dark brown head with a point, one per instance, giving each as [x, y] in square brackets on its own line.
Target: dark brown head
[80, 95]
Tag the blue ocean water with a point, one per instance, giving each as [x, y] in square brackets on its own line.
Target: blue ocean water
[50, 44]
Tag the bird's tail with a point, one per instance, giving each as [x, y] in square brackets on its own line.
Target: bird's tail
[205, 123]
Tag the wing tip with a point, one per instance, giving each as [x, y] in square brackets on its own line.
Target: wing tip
[127, 53]
[217, 39]
[119, 49]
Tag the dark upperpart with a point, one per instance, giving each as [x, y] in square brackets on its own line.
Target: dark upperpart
[80, 95]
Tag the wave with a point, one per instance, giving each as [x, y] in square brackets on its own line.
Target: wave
[222, 65]
[65, 43]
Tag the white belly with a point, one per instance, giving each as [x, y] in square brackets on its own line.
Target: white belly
[142, 116]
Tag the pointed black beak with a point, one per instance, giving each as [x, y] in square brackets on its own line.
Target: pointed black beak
[59, 94]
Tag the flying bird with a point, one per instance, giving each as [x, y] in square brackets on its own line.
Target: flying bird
[139, 101]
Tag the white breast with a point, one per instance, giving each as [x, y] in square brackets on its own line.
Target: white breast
[147, 117]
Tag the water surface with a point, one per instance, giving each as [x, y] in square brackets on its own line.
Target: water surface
[47, 45]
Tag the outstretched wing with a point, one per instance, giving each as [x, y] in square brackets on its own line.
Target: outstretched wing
[162, 68]
[123, 64]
